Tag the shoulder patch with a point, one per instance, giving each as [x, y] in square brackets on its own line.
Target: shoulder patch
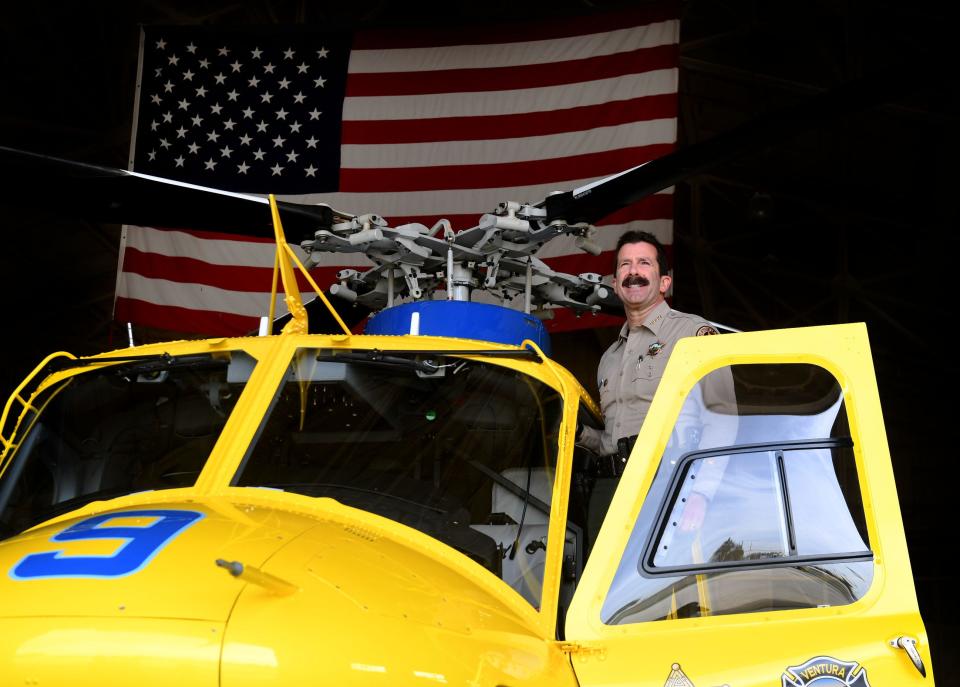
[706, 330]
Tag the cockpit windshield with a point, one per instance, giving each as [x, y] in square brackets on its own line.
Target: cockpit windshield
[461, 449]
[138, 426]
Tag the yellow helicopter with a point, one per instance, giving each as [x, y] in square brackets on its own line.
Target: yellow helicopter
[408, 505]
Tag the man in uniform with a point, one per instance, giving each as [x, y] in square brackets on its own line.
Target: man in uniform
[631, 369]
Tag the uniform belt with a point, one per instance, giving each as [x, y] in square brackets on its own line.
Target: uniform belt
[613, 465]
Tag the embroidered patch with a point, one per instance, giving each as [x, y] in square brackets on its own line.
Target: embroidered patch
[706, 330]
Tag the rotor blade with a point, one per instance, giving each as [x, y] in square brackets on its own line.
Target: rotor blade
[596, 200]
[105, 194]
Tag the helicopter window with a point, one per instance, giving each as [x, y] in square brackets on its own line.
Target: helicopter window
[462, 450]
[119, 430]
[772, 521]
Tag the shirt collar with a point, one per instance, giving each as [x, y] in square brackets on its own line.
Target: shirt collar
[653, 322]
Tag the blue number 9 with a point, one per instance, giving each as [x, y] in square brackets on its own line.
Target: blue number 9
[142, 544]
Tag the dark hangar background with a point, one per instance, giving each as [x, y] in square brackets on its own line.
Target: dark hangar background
[851, 222]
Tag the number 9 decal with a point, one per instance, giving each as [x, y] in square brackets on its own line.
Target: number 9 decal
[143, 542]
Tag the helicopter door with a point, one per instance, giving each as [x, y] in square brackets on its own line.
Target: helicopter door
[755, 536]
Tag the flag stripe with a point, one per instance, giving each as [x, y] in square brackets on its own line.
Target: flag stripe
[406, 179]
[442, 203]
[233, 277]
[180, 319]
[508, 102]
[547, 51]
[507, 150]
[659, 206]
[510, 126]
[506, 32]
[514, 78]
[252, 252]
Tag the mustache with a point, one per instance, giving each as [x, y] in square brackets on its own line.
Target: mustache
[634, 280]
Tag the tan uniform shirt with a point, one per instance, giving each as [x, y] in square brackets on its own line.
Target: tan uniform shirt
[630, 372]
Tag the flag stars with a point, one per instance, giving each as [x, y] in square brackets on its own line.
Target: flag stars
[181, 132]
[152, 155]
[154, 125]
[188, 75]
[319, 82]
[243, 167]
[322, 52]
[295, 127]
[299, 98]
[183, 104]
[262, 127]
[268, 68]
[311, 171]
[158, 71]
[288, 54]
[192, 49]
[302, 68]
[201, 92]
[225, 151]
[254, 82]
[161, 44]
[315, 114]
[245, 140]
[278, 141]
[173, 59]
[256, 53]
[216, 108]
[220, 78]
[312, 142]
[266, 97]
[167, 117]
[282, 114]
[168, 87]
[236, 66]
[164, 143]
[259, 154]
[292, 156]
[247, 113]
[213, 136]
[224, 51]
[155, 98]
[197, 120]
[204, 63]
[229, 124]
[210, 164]
[277, 170]
[232, 95]
[193, 148]
[179, 160]
[283, 83]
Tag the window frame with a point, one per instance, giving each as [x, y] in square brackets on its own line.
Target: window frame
[645, 565]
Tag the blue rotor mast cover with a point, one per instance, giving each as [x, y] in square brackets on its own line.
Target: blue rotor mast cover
[461, 319]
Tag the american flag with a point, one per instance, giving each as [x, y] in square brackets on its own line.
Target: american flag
[414, 125]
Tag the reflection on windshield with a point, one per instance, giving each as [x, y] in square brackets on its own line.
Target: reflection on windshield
[119, 430]
[465, 454]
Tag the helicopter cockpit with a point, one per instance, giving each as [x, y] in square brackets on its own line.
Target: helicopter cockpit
[460, 448]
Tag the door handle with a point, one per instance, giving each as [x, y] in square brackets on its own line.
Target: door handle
[909, 644]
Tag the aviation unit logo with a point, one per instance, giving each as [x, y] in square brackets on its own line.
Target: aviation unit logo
[825, 671]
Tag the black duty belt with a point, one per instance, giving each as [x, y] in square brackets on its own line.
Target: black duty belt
[613, 465]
